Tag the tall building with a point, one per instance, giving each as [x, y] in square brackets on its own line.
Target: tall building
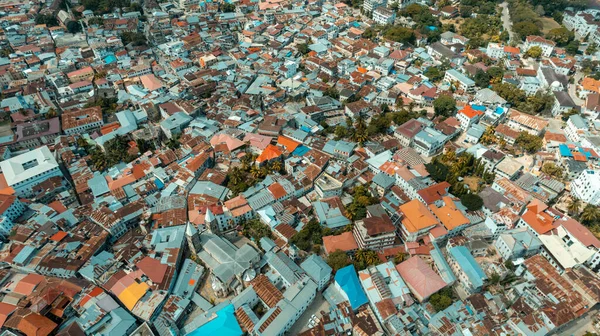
[586, 187]
[25, 171]
[193, 238]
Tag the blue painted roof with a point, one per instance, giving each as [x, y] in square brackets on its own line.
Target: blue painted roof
[110, 59]
[300, 150]
[159, 184]
[478, 107]
[347, 279]
[468, 264]
[564, 150]
[225, 324]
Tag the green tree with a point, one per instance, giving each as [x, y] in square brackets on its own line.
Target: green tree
[303, 48]
[591, 49]
[466, 11]
[434, 73]
[47, 19]
[574, 206]
[562, 36]
[534, 52]
[227, 7]
[400, 34]
[442, 299]
[338, 259]
[551, 169]
[332, 92]
[74, 27]
[254, 229]
[590, 214]
[573, 47]
[444, 105]
[526, 28]
[482, 79]
[400, 257]
[528, 142]
[471, 201]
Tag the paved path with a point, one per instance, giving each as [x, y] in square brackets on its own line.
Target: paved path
[506, 23]
[314, 308]
[573, 89]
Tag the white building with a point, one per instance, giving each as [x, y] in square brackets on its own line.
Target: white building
[371, 5]
[464, 83]
[27, 170]
[576, 126]
[547, 46]
[586, 187]
[384, 16]
[11, 208]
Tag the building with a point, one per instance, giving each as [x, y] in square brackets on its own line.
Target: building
[27, 170]
[586, 187]
[10, 209]
[370, 5]
[347, 283]
[416, 221]
[407, 132]
[522, 122]
[384, 16]
[467, 270]
[82, 121]
[174, 124]
[318, 270]
[327, 186]
[576, 127]
[517, 243]
[429, 141]
[375, 232]
[464, 83]
[469, 115]
[422, 280]
[547, 46]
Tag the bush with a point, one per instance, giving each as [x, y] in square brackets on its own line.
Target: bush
[471, 201]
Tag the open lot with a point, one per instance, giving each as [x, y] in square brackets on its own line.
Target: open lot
[549, 24]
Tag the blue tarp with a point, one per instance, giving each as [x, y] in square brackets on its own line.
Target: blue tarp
[300, 150]
[347, 279]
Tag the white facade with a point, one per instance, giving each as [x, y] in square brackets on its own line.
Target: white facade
[586, 187]
[384, 16]
[28, 170]
[14, 210]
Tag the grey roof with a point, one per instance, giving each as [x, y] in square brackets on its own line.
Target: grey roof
[578, 121]
[190, 270]
[564, 99]
[383, 180]
[210, 189]
[226, 260]
[316, 268]
[98, 185]
[492, 199]
[285, 266]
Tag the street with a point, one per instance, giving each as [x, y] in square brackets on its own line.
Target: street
[318, 305]
[506, 23]
[580, 326]
[573, 89]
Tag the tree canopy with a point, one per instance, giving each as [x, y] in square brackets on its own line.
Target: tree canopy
[444, 105]
[471, 201]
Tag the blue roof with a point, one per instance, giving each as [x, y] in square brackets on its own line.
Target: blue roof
[478, 107]
[110, 59]
[468, 264]
[564, 150]
[225, 324]
[347, 279]
[159, 184]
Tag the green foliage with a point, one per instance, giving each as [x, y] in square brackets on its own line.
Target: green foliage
[332, 92]
[449, 167]
[137, 39]
[444, 105]
[421, 15]
[369, 33]
[338, 259]
[481, 27]
[144, 145]
[115, 151]
[365, 258]
[534, 52]
[239, 179]
[47, 19]
[104, 6]
[311, 233]
[509, 265]
[541, 102]
[227, 7]
[573, 47]
[254, 229]
[528, 142]
[442, 299]
[303, 48]
[108, 105]
[561, 35]
[551, 169]
[96, 20]
[482, 79]
[466, 11]
[526, 28]
[434, 73]
[361, 199]
[591, 49]
[557, 6]
[471, 201]
[379, 125]
[73, 27]
[399, 34]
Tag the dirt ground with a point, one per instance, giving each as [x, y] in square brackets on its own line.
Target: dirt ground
[549, 24]
[472, 182]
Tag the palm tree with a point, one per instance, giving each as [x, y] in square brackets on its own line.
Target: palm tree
[371, 258]
[590, 214]
[361, 255]
[400, 257]
[574, 206]
[411, 107]
[235, 176]
[276, 166]
[255, 172]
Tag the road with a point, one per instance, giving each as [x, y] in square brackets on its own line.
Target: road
[506, 23]
[573, 89]
[319, 304]
[579, 326]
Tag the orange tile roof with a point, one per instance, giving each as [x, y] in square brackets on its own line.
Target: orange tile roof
[590, 84]
[288, 143]
[58, 236]
[416, 216]
[344, 242]
[58, 206]
[5, 310]
[270, 153]
[36, 325]
[512, 50]
[537, 219]
[449, 215]
[108, 128]
[470, 112]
